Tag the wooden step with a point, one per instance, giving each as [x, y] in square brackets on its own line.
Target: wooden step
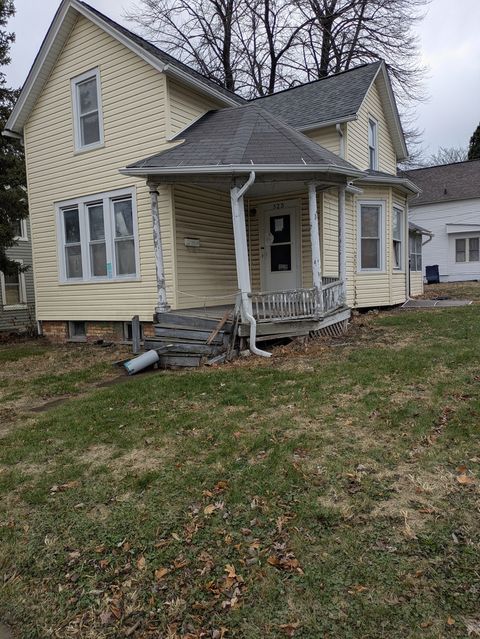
[185, 334]
[180, 361]
[176, 320]
[192, 348]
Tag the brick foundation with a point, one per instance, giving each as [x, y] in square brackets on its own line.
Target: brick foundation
[58, 331]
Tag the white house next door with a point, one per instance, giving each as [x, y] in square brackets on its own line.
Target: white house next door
[281, 246]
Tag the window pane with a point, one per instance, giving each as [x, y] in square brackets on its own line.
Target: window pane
[397, 254]
[125, 256]
[397, 224]
[473, 254]
[281, 257]
[73, 259]
[95, 219]
[370, 221]
[280, 228]
[123, 218]
[90, 127]
[98, 259]
[17, 226]
[12, 289]
[370, 254]
[72, 226]
[460, 249]
[87, 96]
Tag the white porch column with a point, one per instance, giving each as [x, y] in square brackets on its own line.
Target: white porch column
[241, 247]
[342, 253]
[315, 242]
[162, 305]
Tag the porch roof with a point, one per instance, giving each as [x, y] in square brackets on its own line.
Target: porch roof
[238, 140]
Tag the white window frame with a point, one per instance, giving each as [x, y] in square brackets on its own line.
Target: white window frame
[416, 237]
[22, 291]
[23, 229]
[382, 205]
[82, 204]
[401, 268]
[373, 143]
[467, 240]
[79, 147]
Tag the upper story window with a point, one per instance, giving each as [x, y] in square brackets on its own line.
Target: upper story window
[397, 238]
[373, 144]
[87, 111]
[371, 235]
[20, 227]
[467, 249]
[98, 238]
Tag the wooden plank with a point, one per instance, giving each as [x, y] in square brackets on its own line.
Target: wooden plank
[136, 334]
[176, 320]
[277, 328]
[186, 334]
[219, 326]
[191, 348]
[169, 361]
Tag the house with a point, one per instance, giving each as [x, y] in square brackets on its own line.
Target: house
[17, 299]
[449, 205]
[154, 191]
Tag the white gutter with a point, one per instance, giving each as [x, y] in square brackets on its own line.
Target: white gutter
[238, 212]
[242, 169]
[325, 123]
[393, 181]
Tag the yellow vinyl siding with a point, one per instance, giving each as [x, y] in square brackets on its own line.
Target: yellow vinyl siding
[133, 99]
[356, 150]
[207, 275]
[416, 283]
[185, 106]
[327, 137]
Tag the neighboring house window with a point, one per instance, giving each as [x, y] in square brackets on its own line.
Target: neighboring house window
[373, 144]
[98, 238]
[21, 230]
[87, 110]
[467, 249]
[371, 235]
[415, 252]
[397, 238]
[14, 293]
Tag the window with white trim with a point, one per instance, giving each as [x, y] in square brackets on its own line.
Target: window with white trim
[98, 238]
[415, 242]
[87, 110]
[467, 249]
[397, 238]
[14, 292]
[373, 144]
[20, 227]
[371, 235]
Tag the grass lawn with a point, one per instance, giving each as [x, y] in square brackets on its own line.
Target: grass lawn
[331, 492]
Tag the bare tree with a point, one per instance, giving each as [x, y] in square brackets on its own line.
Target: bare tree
[447, 155]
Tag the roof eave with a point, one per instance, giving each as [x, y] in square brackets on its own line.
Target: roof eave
[393, 181]
[16, 122]
[241, 169]
[322, 125]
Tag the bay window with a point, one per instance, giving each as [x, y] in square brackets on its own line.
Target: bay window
[371, 235]
[98, 238]
[397, 238]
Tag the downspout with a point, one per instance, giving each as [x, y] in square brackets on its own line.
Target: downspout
[239, 212]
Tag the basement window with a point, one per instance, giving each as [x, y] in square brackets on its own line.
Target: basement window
[127, 332]
[87, 111]
[77, 331]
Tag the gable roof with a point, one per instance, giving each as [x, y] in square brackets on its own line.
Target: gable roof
[335, 99]
[57, 36]
[242, 139]
[447, 182]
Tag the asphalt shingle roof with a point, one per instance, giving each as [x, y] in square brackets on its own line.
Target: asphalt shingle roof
[244, 135]
[447, 182]
[332, 98]
[163, 56]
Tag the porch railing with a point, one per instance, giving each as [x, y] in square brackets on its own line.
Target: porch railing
[296, 304]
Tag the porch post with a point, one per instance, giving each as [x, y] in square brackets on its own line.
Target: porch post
[162, 305]
[241, 247]
[342, 253]
[315, 242]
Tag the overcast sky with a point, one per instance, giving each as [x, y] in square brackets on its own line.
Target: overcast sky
[450, 48]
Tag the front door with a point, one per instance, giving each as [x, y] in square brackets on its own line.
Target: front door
[280, 248]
